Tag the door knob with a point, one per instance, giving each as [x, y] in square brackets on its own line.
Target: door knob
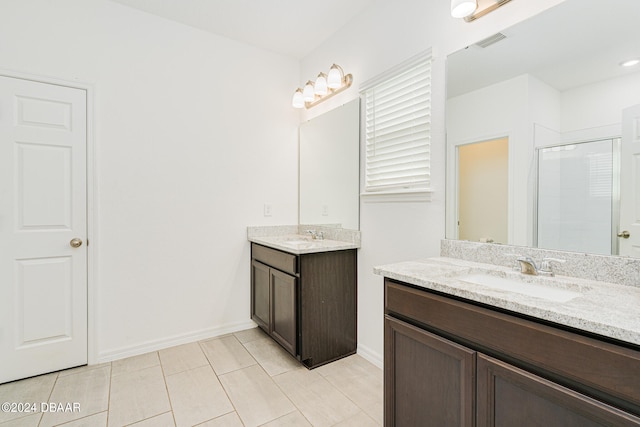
[75, 243]
[624, 234]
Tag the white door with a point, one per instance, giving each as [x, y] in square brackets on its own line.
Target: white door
[630, 183]
[43, 279]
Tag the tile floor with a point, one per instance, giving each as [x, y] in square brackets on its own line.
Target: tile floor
[242, 379]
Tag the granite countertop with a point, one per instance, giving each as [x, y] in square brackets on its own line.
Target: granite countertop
[295, 239]
[298, 244]
[602, 308]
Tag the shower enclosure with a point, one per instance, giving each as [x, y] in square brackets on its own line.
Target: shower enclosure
[578, 197]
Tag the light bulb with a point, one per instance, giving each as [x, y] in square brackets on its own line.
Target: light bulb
[321, 85]
[630, 62]
[308, 93]
[298, 101]
[463, 8]
[334, 80]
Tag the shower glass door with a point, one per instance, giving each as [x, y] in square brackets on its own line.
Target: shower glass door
[577, 203]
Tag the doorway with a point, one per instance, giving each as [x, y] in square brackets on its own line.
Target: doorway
[628, 233]
[483, 169]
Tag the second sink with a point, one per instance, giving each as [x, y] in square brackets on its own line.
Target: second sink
[518, 286]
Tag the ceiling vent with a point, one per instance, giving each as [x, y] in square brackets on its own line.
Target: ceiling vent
[491, 40]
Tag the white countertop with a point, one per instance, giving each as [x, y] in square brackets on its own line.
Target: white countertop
[298, 244]
[602, 308]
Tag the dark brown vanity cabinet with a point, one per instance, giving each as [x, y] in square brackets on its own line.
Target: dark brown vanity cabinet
[454, 363]
[307, 303]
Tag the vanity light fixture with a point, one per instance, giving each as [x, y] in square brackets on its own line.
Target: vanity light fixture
[321, 87]
[298, 100]
[308, 93]
[471, 10]
[630, 62]
[336, 75]
[325, 86]
[463, 8]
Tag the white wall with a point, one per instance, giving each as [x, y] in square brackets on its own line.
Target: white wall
[605, 101]
[545, 110]
[385, 35]
[512, 109]
[497, 111]
[187, 148]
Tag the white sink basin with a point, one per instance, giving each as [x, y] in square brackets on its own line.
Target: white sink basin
[518, 286]
[299, 242]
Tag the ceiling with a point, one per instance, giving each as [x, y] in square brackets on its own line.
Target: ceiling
[290, 27]
[575, 43]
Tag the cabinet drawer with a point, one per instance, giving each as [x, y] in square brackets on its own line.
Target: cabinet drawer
[274, 258]
[610, 371]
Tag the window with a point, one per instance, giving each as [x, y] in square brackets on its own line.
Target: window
[397, 120]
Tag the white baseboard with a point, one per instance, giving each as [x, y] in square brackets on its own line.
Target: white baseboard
[370, 355]
[160, 344]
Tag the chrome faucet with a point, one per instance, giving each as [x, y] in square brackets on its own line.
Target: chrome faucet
[316, 235]
[546, 268]
[527, 266]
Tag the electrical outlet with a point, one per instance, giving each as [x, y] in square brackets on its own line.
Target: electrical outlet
[325, 210]
[267, 209]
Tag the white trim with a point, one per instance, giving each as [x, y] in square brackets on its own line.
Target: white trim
[391, 72]
[160, 344]
[92, 201]
[598, 133]
[93, 228]
[397, 196]
[370, 355]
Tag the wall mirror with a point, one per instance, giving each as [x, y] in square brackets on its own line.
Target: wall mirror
[543, 132]
[329, 168]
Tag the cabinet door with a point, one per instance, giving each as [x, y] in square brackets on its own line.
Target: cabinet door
[260, 295]
[429, 381]
[508, 396]
[283, 310]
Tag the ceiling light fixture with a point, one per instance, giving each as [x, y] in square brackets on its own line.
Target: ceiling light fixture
[325, 86]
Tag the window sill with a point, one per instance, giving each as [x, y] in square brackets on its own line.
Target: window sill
[396, 196]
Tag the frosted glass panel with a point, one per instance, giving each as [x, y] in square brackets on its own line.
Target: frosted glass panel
[575, 196]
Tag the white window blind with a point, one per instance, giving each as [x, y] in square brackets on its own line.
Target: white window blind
[398, 127]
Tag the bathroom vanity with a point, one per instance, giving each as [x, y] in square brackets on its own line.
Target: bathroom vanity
[303, 294]
[459, 352]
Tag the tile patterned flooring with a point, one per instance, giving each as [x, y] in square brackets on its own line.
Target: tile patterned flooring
[241, 379]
